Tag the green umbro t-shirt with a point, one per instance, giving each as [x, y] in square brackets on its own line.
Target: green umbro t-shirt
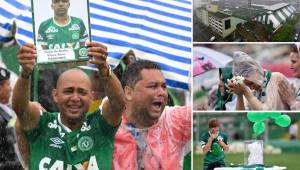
[216, 154]
[54, 147]
[55, 36]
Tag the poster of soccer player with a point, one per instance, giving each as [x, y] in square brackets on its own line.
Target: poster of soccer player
[61, 29]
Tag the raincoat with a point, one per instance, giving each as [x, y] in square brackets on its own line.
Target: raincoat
[157, 147]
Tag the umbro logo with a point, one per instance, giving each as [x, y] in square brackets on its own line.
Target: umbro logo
[56, 142]
[74, 27]
[51, 29]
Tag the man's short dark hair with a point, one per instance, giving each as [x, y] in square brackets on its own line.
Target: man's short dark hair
[212, 123]
[132, 73]
[53, 1]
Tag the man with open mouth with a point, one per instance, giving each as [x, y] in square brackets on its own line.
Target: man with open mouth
[152, 135]
[70, 138]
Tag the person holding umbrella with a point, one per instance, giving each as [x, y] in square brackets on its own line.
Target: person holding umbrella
[225, 101]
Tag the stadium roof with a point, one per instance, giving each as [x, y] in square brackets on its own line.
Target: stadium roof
[219, 15]
[246, 13]
[276, 6]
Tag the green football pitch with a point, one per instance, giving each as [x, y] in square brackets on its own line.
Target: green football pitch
[289, 160]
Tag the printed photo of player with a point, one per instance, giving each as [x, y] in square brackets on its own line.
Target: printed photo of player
[62, 35]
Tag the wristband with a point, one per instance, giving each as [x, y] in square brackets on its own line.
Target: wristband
[109, 74]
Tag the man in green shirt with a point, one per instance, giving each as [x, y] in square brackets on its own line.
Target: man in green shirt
[63, 31]
[70, 139]
[214, 143]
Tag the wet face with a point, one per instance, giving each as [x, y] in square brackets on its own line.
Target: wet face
[5, 91]
[253, 79]
[60, 7]
[295, 64]
[149, 97]
[251, 85]
[73, 95]
[214, 130]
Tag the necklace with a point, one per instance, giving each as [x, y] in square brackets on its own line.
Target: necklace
[140, 136]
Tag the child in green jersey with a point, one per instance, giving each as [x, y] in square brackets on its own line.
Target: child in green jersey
[214, 143]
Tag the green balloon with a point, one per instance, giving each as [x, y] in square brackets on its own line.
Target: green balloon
[283, 121]
[216, 149]
[274, 115]
[258, 128]
[257, 116]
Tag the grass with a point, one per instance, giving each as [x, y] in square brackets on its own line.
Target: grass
[289, 160]
[286, 32]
